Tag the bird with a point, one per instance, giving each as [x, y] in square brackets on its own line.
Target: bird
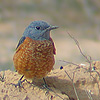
[34, 55]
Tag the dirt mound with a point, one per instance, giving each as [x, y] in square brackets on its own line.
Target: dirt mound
[60, 83]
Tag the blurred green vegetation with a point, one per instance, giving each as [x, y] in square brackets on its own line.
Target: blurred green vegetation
[81, 17]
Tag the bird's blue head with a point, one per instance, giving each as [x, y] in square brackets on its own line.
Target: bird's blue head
[39, 30]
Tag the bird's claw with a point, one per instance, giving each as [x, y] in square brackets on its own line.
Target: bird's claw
[18, 84]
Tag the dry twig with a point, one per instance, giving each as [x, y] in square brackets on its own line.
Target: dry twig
[72, 80]
[89, 60]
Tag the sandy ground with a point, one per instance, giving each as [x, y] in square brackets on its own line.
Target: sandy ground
[86, 85]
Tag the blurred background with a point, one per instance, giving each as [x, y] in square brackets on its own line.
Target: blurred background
[81, 18]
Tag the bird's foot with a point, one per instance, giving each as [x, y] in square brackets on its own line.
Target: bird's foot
[45, 85]
[19, 84]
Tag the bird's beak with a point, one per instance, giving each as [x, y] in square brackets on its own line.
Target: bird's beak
[49, 29]
[52, 27]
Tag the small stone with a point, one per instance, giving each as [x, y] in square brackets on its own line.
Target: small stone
[61, 67]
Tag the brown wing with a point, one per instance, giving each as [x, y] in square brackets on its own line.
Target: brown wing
[54, 49]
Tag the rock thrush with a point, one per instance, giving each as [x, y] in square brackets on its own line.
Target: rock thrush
[34, 56]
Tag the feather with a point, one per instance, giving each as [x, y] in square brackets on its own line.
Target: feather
[21, 41]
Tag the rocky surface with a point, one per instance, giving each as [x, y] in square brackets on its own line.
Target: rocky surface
[60, 85]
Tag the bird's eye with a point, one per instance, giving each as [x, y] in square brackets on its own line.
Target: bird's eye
[38, 27]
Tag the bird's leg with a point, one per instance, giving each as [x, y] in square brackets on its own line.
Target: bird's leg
[19, 82]
[45, 84]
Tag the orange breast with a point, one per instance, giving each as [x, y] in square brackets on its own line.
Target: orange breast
[34, 58]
